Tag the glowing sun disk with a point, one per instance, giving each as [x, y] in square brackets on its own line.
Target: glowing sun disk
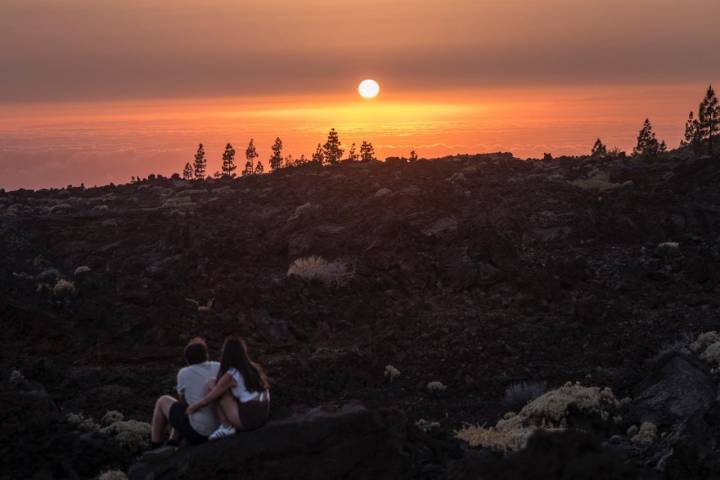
[369, 88]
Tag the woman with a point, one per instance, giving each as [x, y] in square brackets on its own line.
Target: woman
[241, 390]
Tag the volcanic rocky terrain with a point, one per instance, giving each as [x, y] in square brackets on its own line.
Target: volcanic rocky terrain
[420, 298]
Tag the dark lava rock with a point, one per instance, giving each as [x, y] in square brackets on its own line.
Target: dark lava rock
[350, 443]
[566, 455]
[677, 387]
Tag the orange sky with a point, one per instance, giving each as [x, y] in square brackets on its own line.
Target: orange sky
[99, 91]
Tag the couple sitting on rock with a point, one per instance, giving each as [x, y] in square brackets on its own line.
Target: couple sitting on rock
[216, 399]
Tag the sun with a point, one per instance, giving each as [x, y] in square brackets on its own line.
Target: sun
[369, 88]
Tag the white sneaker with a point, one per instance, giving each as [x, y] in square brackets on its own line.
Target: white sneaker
[222, 432]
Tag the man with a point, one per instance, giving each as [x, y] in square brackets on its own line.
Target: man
[192, 385]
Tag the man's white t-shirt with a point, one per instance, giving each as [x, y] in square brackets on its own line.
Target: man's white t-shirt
[192, 383]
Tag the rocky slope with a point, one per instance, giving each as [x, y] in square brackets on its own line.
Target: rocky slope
[478, 272]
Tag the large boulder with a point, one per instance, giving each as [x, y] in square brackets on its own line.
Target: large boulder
[350, 443]
[677, 387]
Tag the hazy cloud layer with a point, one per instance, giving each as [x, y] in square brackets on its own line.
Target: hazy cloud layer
[82, 49]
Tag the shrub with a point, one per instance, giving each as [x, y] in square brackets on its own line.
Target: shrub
[178, 202]
[82, 423]
[63, 288]
[304, 210]
[111, 417]
[646, 435]
[81, 269]
[704, 340]
[550, 411]
[131, 435]
[330, 273]
[391, 372]
[436, 386]
[113, 475]
[599, 182]
[16, 377]
[426, 425]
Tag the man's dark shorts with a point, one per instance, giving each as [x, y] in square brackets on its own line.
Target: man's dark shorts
[181, 422]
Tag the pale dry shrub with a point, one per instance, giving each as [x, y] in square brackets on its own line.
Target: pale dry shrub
[712, 353]
[16, 377]
[704, 340]
[112, 416]
[81, 269]
[391, 372]
[646, 435]
[131, 435]
[599, 182]
[82, 423]
[113, 475]
[457, 177]
[335, 273]
[304, 210]
[178, 202]
[426, 425]
[436, 386]
[63, 288]
[548, 412]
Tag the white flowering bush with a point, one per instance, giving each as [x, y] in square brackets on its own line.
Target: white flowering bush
[335, 273]
[548, 412]
[111, 417]
[132, 435]
[82, 423]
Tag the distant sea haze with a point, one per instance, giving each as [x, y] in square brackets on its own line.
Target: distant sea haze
[45, 145]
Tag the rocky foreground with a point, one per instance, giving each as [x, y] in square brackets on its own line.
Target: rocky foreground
[440, 294]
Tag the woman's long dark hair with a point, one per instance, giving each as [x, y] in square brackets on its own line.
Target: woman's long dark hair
[235, 355]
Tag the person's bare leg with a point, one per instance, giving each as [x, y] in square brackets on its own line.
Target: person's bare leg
[160, 417]
[228, 410]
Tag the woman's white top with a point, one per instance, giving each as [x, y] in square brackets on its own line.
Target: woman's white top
[240, 390]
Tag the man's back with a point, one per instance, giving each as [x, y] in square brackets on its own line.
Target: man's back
[192, 383]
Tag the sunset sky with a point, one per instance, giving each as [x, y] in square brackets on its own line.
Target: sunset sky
[96, 91]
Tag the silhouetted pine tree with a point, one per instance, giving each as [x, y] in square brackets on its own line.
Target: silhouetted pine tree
[647, 145]
[367, 152]
[709, 118]
[599, 150]
[318, 156]
[691, 131]
[259, 168]
[331, 150]
[250, 154]
[187, 172]
[302, 160]
[413, 156]
[228, 165]
[662, 148]
[199, 163]
[276, 159]
[352, 154]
